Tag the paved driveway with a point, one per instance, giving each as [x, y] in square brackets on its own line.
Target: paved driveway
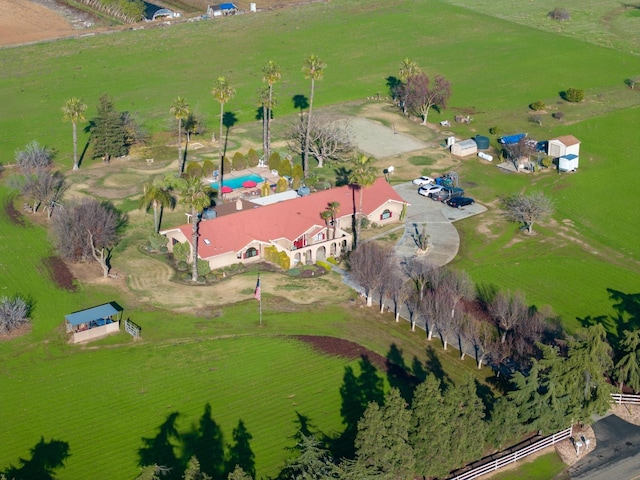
[616, 456]
[438, 217]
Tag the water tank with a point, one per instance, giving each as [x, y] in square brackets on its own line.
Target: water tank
[304, 191]
[451, 141]
[485, 156]
[483, 142]
[252, 7]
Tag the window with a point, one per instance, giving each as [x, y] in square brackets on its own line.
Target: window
[251, 252]
[386, 214]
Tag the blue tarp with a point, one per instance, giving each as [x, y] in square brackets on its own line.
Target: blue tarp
[571, 156]
[95, 313]
[227, 6]
[510, 139]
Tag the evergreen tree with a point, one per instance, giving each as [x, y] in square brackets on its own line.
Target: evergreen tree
[382, 443]
[193, 471]
[108, 133]
[313, 462]
[628, 368]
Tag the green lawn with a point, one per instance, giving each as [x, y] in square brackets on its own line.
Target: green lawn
[104, 399]
[545, 467]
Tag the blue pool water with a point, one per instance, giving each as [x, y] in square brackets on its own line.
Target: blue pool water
[238, 181]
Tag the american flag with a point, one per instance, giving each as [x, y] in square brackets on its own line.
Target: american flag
[256, 293]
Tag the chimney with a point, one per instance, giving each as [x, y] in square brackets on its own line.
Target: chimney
[239, 204]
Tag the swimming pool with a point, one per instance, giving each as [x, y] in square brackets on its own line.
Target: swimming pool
[238, 181]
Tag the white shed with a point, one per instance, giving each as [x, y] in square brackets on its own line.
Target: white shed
[568, 163]
[464, 148]
[564, 145]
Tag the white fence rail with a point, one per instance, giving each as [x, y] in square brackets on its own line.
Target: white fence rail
[494, 465]
[621, 398]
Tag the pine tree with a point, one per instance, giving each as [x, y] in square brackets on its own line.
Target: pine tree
[108, 133]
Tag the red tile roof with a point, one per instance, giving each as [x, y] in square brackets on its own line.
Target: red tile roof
[288, 219]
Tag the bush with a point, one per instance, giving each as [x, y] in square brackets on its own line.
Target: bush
[546, 162]
[332, 260]
[364, 223]
[182, 265]
[294, 272]
[285, 167]
[558, 115]
[203, 267]
[537, 119]
[207, 168]
[537, 105]
[194, 170]
[163, 249]
[181, 251]
[274, 161]
[495, 130]
[157, 241]
[282, 185]
[560, 14]
[573, 95]
[239, 161]
[324, 265]
[226, 164]
[252, 158]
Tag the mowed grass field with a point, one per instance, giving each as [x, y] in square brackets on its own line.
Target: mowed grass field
[104, 399]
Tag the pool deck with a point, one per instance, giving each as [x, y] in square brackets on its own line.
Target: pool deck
[247, 193]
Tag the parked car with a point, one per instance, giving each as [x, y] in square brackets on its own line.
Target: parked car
[459, 202]
[424, 180]
[427, 190]
[446, 193]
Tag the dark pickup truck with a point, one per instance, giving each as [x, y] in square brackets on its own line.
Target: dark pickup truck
[447, 193]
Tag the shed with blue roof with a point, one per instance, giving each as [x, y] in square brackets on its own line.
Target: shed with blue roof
[94, 322]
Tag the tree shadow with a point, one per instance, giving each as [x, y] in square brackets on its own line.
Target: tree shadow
[46, 457]
[300, 102]
[206, 443]
[627, 305]
[393, 84]
[433, 365]
[342, 176]
[229, 119]
[357, 391]
[399, 375]
[240, 452]
[160, 450]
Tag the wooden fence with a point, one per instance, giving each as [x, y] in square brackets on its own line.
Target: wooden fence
[494, 465]
[621, 398]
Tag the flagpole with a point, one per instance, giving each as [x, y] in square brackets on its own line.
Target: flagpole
[260, 307]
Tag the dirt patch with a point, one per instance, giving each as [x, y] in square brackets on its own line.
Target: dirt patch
[12, 213]
[343, 348]
[24, 21]
[60, 274]
[566, 449]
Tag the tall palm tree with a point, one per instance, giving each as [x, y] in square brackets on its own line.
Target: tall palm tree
[408, 67]
[313, 68]
[180, 110]
[223, 93]
[73, 111]
[270, 74]
[362, 175]
[157, 195]
[196, 196]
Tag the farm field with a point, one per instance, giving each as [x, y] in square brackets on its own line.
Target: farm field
[197, 350]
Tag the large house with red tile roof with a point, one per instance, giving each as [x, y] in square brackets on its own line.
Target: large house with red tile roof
[292, 226]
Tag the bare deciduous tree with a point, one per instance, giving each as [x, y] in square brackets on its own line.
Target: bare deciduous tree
[34, 156]
[87, 229]
[43, 187]
[14, 312]
[482, 336]
[507, 310]
[328, 139]
[367, 266]
[527, 209]
[520, 149]
[399, 290]
[421, 272]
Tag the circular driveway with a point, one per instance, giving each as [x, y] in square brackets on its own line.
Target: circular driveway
[444, 240]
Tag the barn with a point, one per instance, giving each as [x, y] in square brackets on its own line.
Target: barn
[464, 148]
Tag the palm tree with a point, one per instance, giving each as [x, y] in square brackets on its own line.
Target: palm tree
[157, 196]
[271, 74]
[408, 67]
[333, 208]
[326, 216]
[223, 93]
[313, 68]
[180, 110]
[362, 175]
[73, 111]
[196, 196]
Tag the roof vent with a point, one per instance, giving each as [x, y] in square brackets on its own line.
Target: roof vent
[207, 241]
[238, 204]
